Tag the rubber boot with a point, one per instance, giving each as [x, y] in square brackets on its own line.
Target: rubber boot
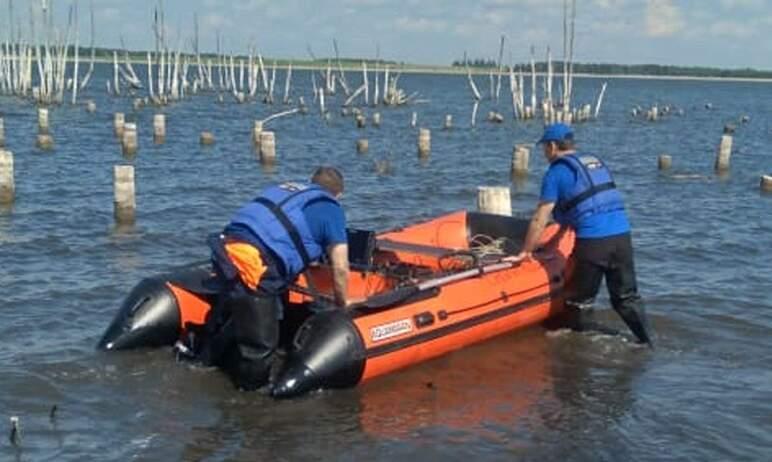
[583, 320]
[633, 313]
[255, 338]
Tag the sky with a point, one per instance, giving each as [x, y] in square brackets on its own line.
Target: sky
[714, 33]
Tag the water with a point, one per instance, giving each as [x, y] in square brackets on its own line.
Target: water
[702, 244]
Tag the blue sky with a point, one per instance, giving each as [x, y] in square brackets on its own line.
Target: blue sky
[719, 33]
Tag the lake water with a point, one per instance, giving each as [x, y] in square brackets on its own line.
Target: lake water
[702, 248]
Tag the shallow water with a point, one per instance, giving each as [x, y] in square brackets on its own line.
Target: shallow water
[702, 244]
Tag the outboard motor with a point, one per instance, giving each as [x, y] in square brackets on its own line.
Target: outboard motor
[149, 317]
[328, 353]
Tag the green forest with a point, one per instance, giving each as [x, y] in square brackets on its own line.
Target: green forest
[630, 69]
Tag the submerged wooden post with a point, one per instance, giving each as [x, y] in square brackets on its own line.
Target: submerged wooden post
[119, 120]
[424, 142]
[766, 182]
[257, 129]
[377, 119]
[494, 199]
[2, 133]
[159, 128]
[724, 152]
[129, 139]
[361, 120]
[267, 147]
[448, 122]
[91, 106]
[362, 146]
[414, 119]
[43, 120]
[520, 157]
[206, 139]
[664, 162]
[7, 187]
[125, 204]
[45, 141]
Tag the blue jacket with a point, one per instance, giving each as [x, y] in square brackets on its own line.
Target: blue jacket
[594, 191]
[276, 218]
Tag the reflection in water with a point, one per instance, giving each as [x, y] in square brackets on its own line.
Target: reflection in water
[480, 392]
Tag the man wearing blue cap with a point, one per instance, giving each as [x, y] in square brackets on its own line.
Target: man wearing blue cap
[579, 192]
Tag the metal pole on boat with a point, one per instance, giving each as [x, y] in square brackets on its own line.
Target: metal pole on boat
[7, 188]
[494, 199]
[664, 162]
[125, 204]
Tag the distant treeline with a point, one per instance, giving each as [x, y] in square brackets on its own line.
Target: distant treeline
[103, 54]
[630, 69]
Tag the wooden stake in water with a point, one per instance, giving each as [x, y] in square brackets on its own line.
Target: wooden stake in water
[125, 204]
[520, 157]
[119, 120]
[7, 187]
[494, 199]
[766, 183]
[2, 133]
[43, 120]
[377, 119]
[724, 153]
[362, 146]
[91, 106]
[448, 122]
[45, 142]
[257, 129]
[267, 147]
[424, 142]
[206, 139]
[129, 140]
[414, 119]
[159, 128]
[664, 162]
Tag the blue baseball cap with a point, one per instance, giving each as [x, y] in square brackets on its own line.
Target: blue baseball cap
[556, 132]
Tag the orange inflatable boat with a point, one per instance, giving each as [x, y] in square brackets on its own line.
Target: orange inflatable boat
[426, 289]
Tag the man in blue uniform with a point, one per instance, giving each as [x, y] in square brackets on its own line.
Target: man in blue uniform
[579, 192]
[266, 245]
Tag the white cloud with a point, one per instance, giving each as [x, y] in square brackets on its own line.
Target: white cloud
[732, 29]
[215, 21]
[663, 19]
[109, 13]
[749, 4]
[420, 24]
[607, 4]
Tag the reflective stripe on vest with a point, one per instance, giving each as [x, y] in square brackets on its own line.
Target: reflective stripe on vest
[276, 218]
[593, 192]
